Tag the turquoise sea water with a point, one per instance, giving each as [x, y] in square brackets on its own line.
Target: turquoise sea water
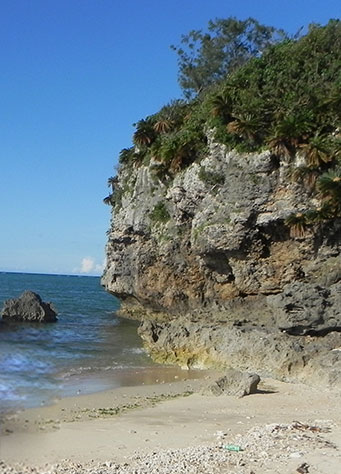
[87, 350]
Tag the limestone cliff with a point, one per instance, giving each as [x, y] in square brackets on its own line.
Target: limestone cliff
[211, 246]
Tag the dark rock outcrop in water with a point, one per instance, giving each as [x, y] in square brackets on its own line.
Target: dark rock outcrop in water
[215, 271]
[29, 307]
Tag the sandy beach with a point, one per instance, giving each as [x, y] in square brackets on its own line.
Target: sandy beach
[171, 427]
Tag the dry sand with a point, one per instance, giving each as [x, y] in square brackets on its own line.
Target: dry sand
[167, 428]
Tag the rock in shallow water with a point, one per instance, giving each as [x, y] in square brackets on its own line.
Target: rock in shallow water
[29, 307]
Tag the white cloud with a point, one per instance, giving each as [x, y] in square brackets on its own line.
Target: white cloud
[89, 265]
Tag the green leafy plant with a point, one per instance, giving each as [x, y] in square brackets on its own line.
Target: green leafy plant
[245, 127]
[211, 178]
[160, 213]
[318, 151]
[205, 58]
[163, 125]
[252, 88]
[329, 186]
[221, 106]
[145, 133]
[126, 155]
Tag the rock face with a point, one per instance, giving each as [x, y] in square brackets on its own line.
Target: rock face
[211, 246]
[304, 308]
[28, 307]
[218, 344]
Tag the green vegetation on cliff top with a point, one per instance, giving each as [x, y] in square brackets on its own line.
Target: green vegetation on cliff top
[255, 89]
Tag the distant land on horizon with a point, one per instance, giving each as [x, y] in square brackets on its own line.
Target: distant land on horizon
[50, 274]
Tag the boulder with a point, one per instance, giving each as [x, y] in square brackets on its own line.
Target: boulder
[29, 307]
[234, 382]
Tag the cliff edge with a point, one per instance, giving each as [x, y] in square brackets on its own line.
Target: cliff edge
[226, 225]
[210, 263]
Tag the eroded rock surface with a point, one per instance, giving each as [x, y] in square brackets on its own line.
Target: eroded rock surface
[28, 307]
[199, 344]
[304, 308]
[200, 259]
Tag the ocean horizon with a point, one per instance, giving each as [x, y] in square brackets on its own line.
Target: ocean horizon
[52, 274]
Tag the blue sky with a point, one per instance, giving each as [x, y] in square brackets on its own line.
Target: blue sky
[75, 75]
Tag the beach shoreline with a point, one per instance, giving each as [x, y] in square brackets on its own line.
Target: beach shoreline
[115, 429]
[96, 381]
[141, 384]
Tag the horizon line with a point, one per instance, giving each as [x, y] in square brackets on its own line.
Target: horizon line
[50, 274]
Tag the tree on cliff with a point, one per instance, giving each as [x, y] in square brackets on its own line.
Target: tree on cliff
[286, 99]
[205, 58]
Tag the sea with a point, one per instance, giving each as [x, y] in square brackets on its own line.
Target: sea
[89, 348]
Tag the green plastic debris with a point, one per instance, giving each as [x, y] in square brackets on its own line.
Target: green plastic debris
[233, 447]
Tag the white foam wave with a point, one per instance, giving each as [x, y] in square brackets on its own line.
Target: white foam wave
[135, 350]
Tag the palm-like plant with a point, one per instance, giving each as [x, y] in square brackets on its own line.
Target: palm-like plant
[306, 174]
[333, 101]
[163, 125]
[172, 114]
[221, 106]
[177, 150]
[112, 181]
[108, 200]
[244, 126]
[280, 146]
[317, 151]
[329, 185]
[289, 133]
[177, 162]
[293, 129]
[298, 224]
[320, 214]
[126, 155]
[145, 133]
[169, 148]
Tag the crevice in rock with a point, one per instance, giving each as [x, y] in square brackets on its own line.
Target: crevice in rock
[328, 234]
[274, 231]
[302, 331]
[218, 262]
[275, 162]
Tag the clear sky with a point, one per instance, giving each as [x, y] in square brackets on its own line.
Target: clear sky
[75, 75]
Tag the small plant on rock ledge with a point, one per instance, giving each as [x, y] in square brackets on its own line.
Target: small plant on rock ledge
[329, 187]
[160, 213]
[109, 200]
[211, 178]
[298, 224]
